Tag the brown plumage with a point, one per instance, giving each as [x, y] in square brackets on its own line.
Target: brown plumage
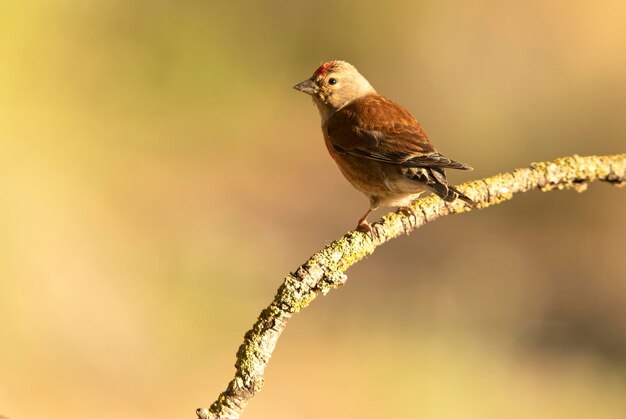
[377, 144]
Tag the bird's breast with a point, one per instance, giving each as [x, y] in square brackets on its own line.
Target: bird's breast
[373, 178]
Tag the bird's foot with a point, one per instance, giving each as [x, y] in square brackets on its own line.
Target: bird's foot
[365, 227]
[413, 216]
[409, 209]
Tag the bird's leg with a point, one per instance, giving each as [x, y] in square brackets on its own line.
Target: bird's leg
[364, 225]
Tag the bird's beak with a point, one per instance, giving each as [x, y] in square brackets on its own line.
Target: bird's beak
[308, 86]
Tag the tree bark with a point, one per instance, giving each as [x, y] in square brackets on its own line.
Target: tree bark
[325, 269]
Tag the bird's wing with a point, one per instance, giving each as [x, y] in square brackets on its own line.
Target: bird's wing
[376, 128]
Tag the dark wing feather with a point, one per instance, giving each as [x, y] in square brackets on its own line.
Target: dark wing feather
[376, 128]
[434, 178]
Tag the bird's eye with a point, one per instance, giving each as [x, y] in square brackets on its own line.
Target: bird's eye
[332, 81]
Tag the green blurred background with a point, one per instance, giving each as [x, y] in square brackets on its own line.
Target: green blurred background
[159, 177]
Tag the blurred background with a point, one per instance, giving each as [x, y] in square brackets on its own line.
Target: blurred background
[159, 177]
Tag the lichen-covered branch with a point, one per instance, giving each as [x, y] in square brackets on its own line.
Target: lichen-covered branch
[325, 269]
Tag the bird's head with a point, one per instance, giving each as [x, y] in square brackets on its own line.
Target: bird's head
[333, 85]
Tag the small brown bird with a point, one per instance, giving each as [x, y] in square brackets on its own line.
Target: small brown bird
[377, 144]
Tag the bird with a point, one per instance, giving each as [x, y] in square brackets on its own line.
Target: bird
[379, 147]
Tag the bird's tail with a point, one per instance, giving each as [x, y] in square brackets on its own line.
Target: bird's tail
[438, 184]
[458, 194]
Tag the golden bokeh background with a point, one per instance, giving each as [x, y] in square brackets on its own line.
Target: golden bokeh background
[159, 177]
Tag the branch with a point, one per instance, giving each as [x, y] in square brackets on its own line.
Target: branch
[324, 270]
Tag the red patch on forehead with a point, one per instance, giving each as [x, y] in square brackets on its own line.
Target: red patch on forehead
[324, 68]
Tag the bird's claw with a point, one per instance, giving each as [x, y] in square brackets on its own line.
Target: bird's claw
[366, 227]
[411, 212]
